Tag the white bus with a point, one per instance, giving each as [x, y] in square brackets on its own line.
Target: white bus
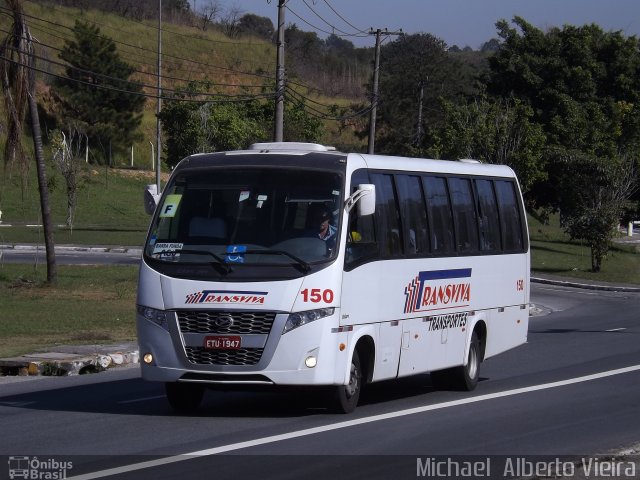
[294, 264]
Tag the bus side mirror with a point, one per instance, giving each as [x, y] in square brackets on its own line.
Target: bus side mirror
[151, 198]
[365, 197]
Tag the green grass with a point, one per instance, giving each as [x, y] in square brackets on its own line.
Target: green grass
[622, 264]
[88, 305]
[552, 252]
[109, 210]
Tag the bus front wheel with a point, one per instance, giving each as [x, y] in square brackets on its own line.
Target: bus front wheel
[184, 397]
[346, 396]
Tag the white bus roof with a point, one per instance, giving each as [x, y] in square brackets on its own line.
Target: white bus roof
[464, 167]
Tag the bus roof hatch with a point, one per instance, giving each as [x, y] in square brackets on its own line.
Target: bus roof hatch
[291, 146]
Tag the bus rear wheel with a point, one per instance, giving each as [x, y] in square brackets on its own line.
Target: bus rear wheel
[184, 397]
[345, 398]
[464, 377]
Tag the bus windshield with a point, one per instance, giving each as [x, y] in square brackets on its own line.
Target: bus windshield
[230, 217]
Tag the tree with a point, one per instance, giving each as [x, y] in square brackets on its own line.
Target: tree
[67, 156]
[496, 131]
[302, 52]
[231, 21]
[261, 27]
[405, 64]
[15, 85]
[583, 87]
[209, 13]
[19, 87]
[338, 45]
[96, 92]
[193, 126]
[299, 126]
[593, 200]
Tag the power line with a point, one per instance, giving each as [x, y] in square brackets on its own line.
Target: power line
[142, 72]
[321, 18]
[344, 19]
[172, 58]
[301, 100]
[315, 27]
[178, 93]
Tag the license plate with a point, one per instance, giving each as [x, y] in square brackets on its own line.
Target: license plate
[222, 342]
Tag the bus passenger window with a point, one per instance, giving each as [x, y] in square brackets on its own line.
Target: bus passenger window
[439, 211]
[509, 216]
[414, 214]
[464, 214]
[387, 217]
[488, 212]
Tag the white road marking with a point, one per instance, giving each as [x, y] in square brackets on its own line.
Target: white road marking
[615, 330]
[135, 400]
[349, 423]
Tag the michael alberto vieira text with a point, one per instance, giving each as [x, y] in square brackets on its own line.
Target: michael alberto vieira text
[594, 467]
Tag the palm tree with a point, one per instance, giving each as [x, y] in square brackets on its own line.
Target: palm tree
[19, 88]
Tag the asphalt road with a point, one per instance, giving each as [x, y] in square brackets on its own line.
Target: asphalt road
[573, 389]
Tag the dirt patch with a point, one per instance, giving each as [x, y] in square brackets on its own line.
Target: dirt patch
[142, 174]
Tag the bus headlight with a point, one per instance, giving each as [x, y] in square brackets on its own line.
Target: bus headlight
[298, 319]
[159, 317]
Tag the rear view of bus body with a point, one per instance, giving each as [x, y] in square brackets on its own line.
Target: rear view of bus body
[294, 264]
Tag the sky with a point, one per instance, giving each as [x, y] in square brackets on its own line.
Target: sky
[457, 22]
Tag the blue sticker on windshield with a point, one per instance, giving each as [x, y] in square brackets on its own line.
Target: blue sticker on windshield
[235, 253]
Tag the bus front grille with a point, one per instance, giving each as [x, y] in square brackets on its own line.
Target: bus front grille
[204, 321]
[241, 356]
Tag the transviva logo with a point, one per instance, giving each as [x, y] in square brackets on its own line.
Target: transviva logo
[226, 296]
[427, 291]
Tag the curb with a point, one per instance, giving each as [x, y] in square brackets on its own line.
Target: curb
[586, 286]
[73, 248]
[74, 362]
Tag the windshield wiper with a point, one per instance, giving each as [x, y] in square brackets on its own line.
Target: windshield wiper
[219, 263]
[300, 264]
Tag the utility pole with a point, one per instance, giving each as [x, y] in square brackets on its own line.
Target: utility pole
[419, 131]
[279, 115]
[374, 95]
[159, 103]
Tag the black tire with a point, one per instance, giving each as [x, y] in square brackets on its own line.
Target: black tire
[465, 377]
[345, 398]
[184, 397]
